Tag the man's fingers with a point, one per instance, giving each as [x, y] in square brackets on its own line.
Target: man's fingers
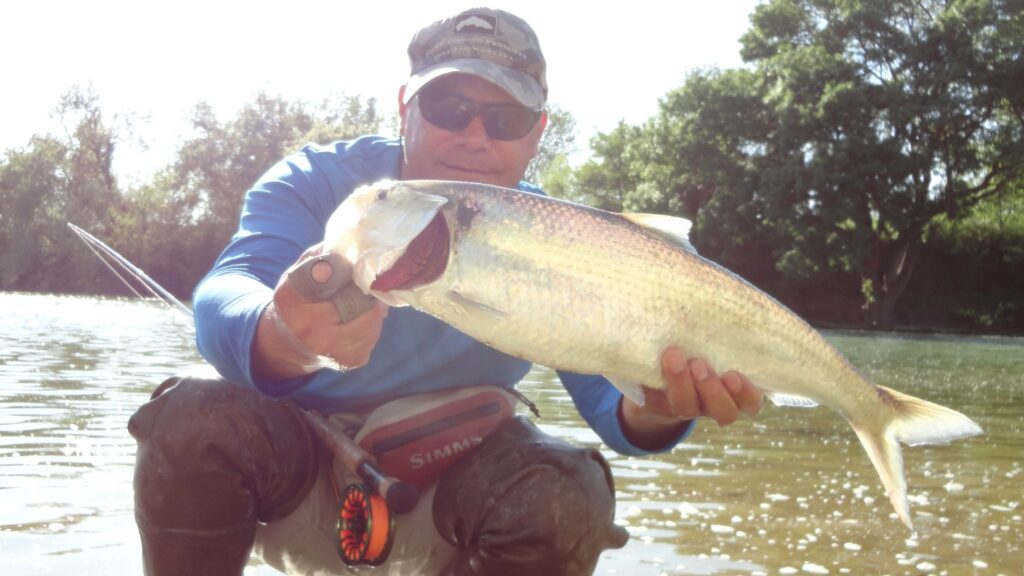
[673, 363]
[318, 278]
[370, 320]
[733, 383]
[716, 400]
[680, 392]
[351, 303]
[748, 398]
[693, 389]
[348, 344]
[287, 296]
[352, 343]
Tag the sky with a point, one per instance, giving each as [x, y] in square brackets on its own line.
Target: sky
[151, 62]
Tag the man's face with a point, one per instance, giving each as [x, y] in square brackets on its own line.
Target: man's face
[468, 155]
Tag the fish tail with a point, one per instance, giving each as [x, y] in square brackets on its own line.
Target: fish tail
[919, 421]
[885, 454]
[914, 422]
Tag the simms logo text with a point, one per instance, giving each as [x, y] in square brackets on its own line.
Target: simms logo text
[421, 459]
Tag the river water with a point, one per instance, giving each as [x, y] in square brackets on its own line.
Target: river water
[789, 492]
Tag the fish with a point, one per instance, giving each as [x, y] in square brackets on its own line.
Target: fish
[594, 292]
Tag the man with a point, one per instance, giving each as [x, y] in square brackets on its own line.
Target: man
[222, 463]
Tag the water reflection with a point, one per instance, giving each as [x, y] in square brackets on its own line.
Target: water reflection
[72, 370]
[790, 492]
[794, 492]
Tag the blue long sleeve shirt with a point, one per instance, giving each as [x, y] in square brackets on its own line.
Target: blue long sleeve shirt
[284, 213]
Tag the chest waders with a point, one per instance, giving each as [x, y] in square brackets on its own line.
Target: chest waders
[220, 467]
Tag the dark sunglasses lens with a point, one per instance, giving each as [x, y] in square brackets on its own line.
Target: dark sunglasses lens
[446, 111]
[453, 113]
[508, 122]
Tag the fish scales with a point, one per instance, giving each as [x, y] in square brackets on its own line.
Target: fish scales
[588, 291]
[628, 295]
[558, 271]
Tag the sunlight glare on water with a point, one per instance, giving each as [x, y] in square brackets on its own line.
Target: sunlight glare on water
[72, 370]
[789, 492]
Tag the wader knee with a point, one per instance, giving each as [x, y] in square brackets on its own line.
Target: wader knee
[214, 458]
[527, 503]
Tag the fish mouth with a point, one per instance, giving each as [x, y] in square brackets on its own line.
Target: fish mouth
[424, 259]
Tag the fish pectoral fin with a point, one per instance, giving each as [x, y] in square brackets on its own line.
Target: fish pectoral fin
[468, 301]
[672, 228]
[631, 390]
[791, 400]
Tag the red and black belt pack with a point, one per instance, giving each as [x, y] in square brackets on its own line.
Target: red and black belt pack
[416, 438]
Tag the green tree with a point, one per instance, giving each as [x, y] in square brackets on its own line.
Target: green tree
[986, 251]
[159, 229]
[556, 145]
[29, 180]
[888, 114]
[612, 174]
[558, 179]
[224, 159]
[340, 119]
[854, 125]
[186, 215]
[700, 157]
[53, 181]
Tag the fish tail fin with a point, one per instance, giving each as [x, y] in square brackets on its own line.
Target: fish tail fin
[885, 454]
[914, 422]
[919, 421]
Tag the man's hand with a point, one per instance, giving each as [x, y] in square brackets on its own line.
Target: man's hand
[693, 390]
[294, 330]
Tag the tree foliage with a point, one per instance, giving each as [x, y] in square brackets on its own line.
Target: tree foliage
[854, 126]
[174, 225]
[862, 141]
[196, 201]
[985, 250]
[611, 175]
[50, 182]
[556, 145]
[892, 114]
[223, 159]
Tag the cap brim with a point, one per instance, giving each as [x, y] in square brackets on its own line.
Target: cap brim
[521, 86]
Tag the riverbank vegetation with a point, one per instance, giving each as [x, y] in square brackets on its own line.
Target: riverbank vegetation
[865, 166]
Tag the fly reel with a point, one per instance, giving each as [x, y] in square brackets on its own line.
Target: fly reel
[365, 527]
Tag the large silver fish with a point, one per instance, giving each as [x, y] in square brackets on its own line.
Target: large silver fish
[594, 292]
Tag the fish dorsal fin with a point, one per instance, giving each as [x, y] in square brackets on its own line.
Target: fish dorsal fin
[791, 400]
[672, 228]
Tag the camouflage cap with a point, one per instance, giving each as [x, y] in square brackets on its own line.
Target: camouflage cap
[492, 44]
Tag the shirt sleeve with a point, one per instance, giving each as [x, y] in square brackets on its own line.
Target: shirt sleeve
[283, 214]
[597, 401]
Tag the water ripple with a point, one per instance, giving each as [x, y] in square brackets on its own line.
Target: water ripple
[790, 492]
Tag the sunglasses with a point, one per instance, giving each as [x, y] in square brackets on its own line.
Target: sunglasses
[453, 112]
